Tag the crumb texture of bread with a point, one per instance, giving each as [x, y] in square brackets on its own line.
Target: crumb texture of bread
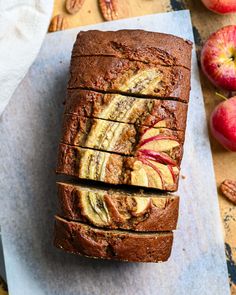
[82, 239]
[113, 209]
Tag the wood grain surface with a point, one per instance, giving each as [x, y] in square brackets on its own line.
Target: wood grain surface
[204, 23]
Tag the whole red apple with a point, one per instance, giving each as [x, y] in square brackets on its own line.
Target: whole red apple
[218, 58]
[221, 6]
[223, 123]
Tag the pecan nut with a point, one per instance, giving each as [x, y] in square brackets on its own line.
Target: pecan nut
[228, 189]
[73, 6]
[58, 23]
[109, 9]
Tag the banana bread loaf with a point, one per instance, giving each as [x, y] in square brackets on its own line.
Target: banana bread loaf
[124, 125]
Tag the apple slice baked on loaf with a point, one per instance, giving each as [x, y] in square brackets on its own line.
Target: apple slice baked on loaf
[124, 124]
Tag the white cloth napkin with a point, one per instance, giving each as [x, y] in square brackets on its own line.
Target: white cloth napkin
[23, 25]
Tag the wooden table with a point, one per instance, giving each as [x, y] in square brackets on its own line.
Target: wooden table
[204, 23]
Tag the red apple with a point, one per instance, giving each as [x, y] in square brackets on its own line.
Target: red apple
[221, 6]
[218, 58]
[223, 123]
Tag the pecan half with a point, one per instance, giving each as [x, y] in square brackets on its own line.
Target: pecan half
[73, 6]
[109, 9]
[228, 189]
[58, 23]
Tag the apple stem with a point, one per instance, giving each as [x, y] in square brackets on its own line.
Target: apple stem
[230, 94]
[221, 96]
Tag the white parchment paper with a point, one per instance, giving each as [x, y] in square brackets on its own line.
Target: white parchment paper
[29, 135]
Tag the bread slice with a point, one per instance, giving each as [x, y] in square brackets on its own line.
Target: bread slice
[123, 76]
[119, 108]
[111, 168]
[122, 138]
[117, 209]
[82, 239]
[135, 45]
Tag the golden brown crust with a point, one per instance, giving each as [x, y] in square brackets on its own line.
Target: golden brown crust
[135, 45]
[82, 239]
[116, 169]
[122, 138]
[146, 112]
[115, 209]
[112, 74]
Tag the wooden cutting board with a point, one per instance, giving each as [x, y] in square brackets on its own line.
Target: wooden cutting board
[29, 134]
